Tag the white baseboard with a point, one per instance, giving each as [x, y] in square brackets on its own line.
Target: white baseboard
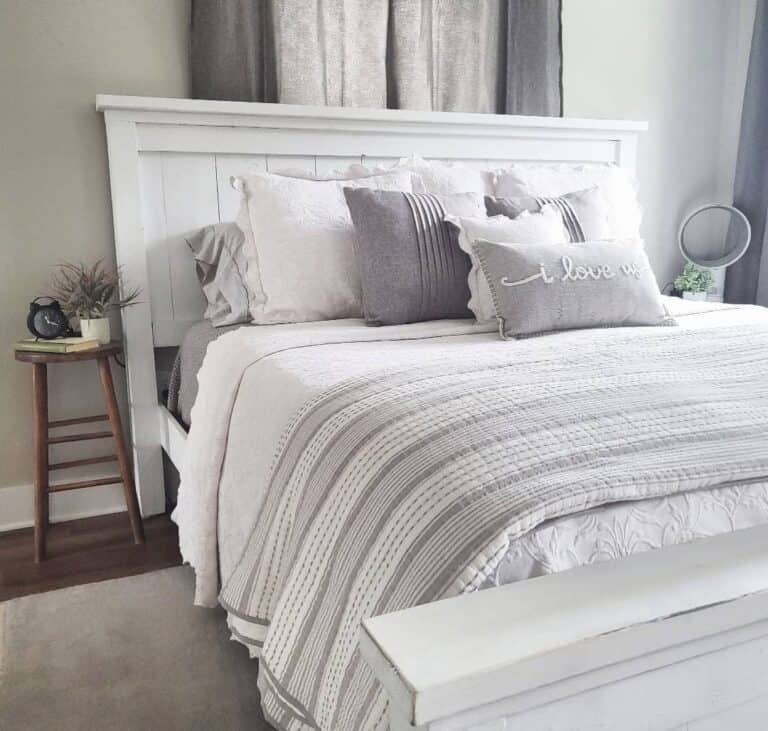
[17, 504]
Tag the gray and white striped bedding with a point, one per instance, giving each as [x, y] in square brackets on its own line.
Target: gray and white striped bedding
[407, 480]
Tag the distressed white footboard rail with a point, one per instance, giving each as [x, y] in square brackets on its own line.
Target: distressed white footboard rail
[674, 638]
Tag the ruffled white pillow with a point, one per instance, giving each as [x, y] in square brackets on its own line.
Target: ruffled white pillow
[545, 227]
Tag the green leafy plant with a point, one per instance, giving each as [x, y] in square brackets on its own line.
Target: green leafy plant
[90, 292]
[693, 279]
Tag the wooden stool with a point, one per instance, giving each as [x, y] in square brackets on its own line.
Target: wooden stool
[42, 439]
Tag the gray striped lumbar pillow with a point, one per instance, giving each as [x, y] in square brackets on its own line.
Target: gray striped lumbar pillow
[584, 212]
[538, 288]
[411, 266]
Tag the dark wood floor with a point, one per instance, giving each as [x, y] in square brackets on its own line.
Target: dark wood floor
[83, 551]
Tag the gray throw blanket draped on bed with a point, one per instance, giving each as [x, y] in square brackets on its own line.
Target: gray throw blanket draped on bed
[406, 487]
[500, 56]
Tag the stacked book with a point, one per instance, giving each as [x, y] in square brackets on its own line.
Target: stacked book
[57, 345]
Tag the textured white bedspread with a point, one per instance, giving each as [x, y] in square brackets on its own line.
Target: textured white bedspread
[254, 380]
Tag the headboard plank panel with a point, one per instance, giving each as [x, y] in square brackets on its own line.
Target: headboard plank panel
[277, 163]
[156, 235]
[325, 164]
[191, 202]
[170, 161]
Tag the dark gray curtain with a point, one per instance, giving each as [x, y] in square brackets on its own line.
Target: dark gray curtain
[450, 55]
[747, 280]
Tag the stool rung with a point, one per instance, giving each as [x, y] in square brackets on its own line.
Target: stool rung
[80, 420]
[84, 483]
[80, 437]
[81, 462]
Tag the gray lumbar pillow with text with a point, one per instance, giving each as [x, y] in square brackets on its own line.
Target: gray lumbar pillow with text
[538, 288]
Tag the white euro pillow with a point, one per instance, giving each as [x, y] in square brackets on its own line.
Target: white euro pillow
[617, 186]
[300, 245]
[545, 227]
[446, 178]
[355, 170]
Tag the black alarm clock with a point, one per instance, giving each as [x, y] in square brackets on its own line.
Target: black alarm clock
[47, 321]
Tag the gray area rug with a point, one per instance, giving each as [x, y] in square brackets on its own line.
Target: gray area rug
[126, 654]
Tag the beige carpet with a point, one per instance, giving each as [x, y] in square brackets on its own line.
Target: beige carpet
[125, 654]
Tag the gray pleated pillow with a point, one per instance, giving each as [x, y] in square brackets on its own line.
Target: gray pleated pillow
[539, 288]
[584, 212]
[411, 266]
[220, 266]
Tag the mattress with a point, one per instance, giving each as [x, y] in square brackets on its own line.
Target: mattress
[606, 532]
[259, 383]
[182, 385]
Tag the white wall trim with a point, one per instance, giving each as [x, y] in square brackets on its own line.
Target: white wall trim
[17, 504]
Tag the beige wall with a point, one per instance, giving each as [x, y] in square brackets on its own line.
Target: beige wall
[55, 56]
[677, 63]
[680, 65]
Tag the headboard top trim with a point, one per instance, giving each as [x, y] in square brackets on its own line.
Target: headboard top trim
[138, 108]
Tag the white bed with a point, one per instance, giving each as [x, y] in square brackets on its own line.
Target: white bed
[169, 164]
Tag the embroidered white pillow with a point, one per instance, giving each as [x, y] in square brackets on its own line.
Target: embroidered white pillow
[527, 228]
[354, 171]
[616, 184]
[541, 288]
[301, 258]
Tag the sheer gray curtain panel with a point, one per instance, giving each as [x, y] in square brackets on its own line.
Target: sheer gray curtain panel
[499, 56]
[747, 280]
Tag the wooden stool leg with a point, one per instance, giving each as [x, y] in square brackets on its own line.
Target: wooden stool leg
[107, 386]
[40, 416]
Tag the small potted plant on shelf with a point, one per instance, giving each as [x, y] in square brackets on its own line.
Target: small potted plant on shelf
[694, 282]
[90, 293]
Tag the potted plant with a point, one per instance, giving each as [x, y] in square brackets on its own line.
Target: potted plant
[694, 282]
[89, 293]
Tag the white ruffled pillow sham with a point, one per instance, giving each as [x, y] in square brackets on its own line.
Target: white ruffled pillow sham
[300, 245]
[528, 228]
[243, 221]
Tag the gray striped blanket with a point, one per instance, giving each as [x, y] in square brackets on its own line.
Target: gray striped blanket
[407, 486]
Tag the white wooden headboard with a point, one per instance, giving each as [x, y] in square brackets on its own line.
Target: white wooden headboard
[170, 161]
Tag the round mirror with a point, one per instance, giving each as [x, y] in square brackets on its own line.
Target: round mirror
[714, 236]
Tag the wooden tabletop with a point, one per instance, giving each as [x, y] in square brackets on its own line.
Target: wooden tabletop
[103, 351]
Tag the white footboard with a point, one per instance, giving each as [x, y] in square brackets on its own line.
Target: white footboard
[675, 638]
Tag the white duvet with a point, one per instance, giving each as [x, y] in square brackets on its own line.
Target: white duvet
[254, 380]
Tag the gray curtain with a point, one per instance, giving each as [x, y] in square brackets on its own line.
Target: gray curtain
[450, 55]
[747, 280]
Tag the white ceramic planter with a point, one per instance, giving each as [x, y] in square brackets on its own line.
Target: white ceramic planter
[97, 329]
[695, 296]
